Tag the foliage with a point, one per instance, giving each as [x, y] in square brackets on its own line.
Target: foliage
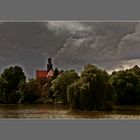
[30, 91]
[9, 81]
[94, 89]
[60, 84]
[91, 91]
[127, 86]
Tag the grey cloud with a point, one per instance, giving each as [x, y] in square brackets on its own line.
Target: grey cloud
[129, 47]
[25, 42]
[109, 45]
[2, 60]
[100, 46]
[69, 27]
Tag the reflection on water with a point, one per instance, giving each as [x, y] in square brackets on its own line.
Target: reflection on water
[61, 112]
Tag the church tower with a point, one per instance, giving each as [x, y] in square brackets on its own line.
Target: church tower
[49, 65]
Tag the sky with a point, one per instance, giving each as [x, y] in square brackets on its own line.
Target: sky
[71, 44]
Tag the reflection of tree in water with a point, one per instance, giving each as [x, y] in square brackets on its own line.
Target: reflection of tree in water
[62, 112]
[10, 114]
[10, 111]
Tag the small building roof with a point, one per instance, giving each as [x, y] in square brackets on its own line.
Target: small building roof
[41, 73]
[45, 73]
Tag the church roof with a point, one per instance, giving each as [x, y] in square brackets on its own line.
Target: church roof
[44, 73]
[41, 73]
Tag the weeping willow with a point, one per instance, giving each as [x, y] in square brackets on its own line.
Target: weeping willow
[90, 92]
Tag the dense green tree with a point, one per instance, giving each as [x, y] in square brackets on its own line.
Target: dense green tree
[127, 87]
[91, 91]
[30, 91]
[135, 70]
[9, 81]
[60, 84]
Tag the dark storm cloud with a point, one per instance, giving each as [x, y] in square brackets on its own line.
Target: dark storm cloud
[94, 42]
[27, 44]
[109, 45]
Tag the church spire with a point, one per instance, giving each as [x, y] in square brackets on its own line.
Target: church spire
[49, 65]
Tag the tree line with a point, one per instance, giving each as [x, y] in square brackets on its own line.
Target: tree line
[93, 89]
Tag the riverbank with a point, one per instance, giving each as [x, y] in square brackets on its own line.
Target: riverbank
[62, 112]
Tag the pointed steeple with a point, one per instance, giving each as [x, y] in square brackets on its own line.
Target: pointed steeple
[49, 65]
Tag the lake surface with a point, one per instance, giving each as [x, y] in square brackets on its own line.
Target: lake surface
[61, 112]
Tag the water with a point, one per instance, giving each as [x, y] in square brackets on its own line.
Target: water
[61, 112]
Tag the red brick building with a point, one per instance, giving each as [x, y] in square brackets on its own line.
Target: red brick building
[44, 78]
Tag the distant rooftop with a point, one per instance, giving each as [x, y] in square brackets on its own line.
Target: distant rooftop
[44, 73]
[41, 73]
